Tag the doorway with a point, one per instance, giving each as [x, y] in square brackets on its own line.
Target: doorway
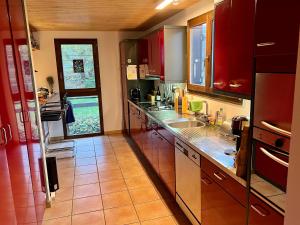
[79, 80]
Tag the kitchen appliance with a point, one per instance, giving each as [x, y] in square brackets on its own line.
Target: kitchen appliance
[237, 125]
[135, 94]
[273, 106]
[188, 181]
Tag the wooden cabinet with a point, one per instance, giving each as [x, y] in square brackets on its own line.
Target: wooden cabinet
[234, 46]
[218, 207]
[277, 33]
[164, 53]
[262, 214]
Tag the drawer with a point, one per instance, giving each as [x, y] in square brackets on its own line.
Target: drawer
[234, 188]
[262, 214]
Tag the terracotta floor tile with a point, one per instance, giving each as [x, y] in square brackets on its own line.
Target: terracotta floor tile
[152, 210]
[138, 182]
[113, 186]
[90, 178]
[85, 169]
[68, 171]
[86, 190]
[58, 209]
[133, 171]
[59, 221]
[121, 215]
[109, 175]
[65, 181]
[108, 166]
[65, 163]
[142, 195]
[91, 218]
[85, 161]
[64, 194]
[104, 150]
[85, 154]
[85, 148]
[116, 199]
[160, 221]
[116, 138]
[106, 159]
[102, 139]
[88, 204]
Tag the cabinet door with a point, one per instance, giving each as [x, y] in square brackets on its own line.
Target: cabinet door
[222, 45]
[147, 144]
[156, 142]
[128, 52]
[143, 51]
[277, 33]
[218, 207]
[166, 160]
[242, 46]
[262, 214]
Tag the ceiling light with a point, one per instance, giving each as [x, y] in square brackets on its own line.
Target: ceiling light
[164, 4]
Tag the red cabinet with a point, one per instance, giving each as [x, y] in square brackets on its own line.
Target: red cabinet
[217, 206]
[19, 137]
[277, 33]
[233, 47]
[262, 214]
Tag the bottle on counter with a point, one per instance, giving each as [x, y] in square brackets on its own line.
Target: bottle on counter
[158, 96]
[220, 117]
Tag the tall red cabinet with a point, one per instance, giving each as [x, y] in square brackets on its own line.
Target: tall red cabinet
[22, 198]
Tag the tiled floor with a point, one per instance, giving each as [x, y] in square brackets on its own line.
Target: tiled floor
[106, 185]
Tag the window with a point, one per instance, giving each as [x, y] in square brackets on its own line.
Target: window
[199, 52]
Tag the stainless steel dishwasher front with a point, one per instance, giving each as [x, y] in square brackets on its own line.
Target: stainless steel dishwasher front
[188, 181]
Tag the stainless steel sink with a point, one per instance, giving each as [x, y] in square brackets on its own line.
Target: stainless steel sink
[187, 124]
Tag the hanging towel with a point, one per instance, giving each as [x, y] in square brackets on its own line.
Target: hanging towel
[70, 118]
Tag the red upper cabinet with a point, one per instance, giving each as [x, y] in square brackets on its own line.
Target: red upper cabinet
[277, 33]
[164, 53]
[233, 47]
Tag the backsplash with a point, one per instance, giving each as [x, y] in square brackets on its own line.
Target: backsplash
[230, 109]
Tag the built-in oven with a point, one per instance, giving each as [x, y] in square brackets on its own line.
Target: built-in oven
[273, 109]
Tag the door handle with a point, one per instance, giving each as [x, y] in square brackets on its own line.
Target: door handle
[276, 159]
[276, 129]
[5, 135]
[264, 44]
[218, 176]
[261, 213]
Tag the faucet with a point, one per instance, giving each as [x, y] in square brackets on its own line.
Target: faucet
[203, 117]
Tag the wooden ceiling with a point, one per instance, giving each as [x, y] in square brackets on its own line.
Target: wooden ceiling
[104, 15]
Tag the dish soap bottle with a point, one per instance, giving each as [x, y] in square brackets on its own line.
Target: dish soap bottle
[220, 117]
[158, 97]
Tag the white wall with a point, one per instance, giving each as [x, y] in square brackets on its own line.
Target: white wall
[293, 186]
[108, 48]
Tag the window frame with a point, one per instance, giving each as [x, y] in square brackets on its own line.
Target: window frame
[197, 21]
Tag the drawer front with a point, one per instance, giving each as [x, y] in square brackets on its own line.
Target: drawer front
[235, 189]
[262, 214]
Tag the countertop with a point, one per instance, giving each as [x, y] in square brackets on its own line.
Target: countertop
[209, 142]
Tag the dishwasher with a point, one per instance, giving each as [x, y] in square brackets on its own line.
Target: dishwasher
[188, 181]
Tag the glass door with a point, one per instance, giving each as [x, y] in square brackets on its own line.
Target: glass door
[79, 80]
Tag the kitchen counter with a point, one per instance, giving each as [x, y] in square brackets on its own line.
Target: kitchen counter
[208, 141]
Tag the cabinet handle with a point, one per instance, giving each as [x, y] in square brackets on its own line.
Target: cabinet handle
[276, 159]
[205, 181]
[259, 211]
[276, 129]
[218, 176]
[218, 83]
[264, 44]
[194, 156]
[5, 135]
[235, 85]
[9, 131]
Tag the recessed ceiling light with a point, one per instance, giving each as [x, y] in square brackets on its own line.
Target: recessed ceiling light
[163, 4]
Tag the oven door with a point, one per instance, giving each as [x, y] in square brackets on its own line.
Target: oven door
[271, 164]
[273, 106]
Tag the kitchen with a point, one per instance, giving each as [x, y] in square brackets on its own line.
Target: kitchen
[198, 101]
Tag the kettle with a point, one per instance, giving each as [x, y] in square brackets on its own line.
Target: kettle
[237, 125]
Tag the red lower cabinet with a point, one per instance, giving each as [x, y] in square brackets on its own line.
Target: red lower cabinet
[218, 207]
[262, 214]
